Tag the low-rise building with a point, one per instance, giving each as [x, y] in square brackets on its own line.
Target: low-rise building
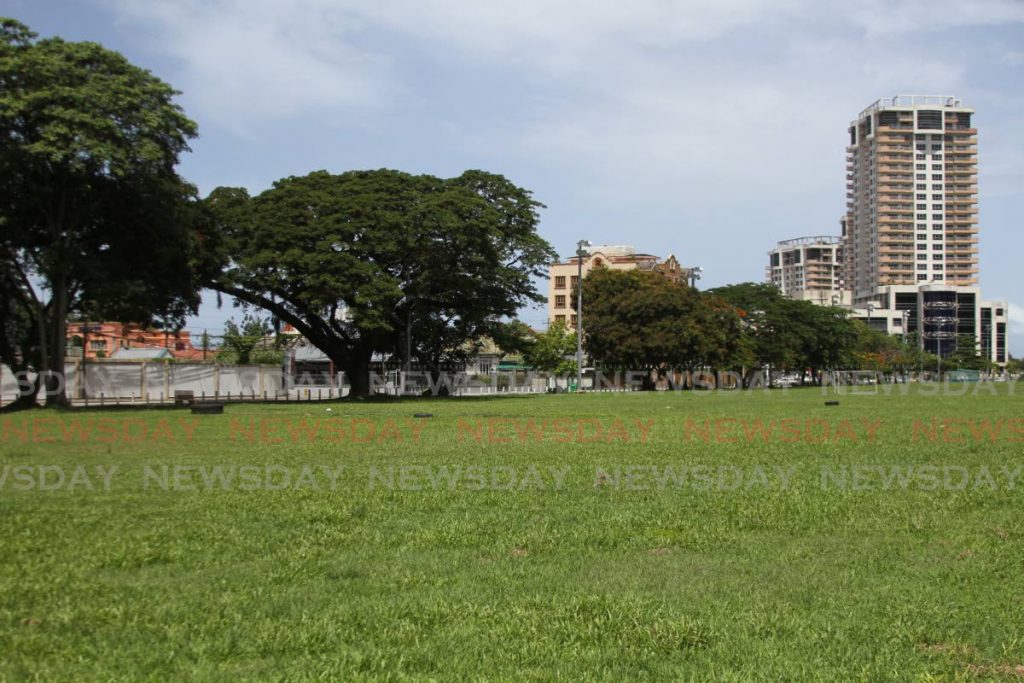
[564, 274]
[93, 340]
[938, 317]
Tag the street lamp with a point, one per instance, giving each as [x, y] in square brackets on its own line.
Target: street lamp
[695, 275]
[986, 347]
[581, 250]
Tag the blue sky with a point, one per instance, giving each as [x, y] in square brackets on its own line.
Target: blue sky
[706, 128]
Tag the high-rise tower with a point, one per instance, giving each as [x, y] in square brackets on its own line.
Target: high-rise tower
[912, 195]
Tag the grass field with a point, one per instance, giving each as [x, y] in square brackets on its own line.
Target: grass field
[726, 536]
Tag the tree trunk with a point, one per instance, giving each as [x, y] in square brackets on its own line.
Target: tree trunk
[56, 394]
[26, 399]
[358, 370]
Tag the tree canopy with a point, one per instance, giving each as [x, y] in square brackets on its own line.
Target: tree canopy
[381, 261]
[641, 320]
[95, 219]
[552, 350]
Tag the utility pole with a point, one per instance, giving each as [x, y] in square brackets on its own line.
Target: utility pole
[581, 251]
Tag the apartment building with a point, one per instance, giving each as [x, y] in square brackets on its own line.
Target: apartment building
[563, 274]
[809, 269]
[912, 195]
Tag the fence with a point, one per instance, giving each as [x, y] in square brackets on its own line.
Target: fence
[156, 381]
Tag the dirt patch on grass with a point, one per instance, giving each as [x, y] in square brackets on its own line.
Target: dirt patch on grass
[1003, 671]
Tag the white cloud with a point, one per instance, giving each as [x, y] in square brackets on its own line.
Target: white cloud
[1016, 321]
[641, 99]
[245, 62]
[886, 17]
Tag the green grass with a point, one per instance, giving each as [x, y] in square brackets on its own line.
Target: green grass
[595, 579]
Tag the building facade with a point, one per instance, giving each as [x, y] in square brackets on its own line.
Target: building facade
[103, 339]
[939, 318]
[563, 274]
[912, 202]
[809, 269]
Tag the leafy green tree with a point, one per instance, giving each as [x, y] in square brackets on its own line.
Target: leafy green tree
[553, 351]
[241, 341]
[773, 332]
[967, 354]
[94, 215]
[381, 261]
[640, 320]
[794, 335]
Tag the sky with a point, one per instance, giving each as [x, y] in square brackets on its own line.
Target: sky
[710, 129]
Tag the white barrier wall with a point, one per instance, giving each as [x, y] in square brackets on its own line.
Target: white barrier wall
[157, 380]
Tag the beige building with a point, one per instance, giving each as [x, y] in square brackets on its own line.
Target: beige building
[809, 269]
[563, 274]
[912, 202]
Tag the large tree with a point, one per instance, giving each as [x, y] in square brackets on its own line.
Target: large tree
[641, 320]
[94, 218]
[553, 350]
[383, 261]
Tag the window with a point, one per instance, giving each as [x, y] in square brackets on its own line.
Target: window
[920, 156]
[937, 226]
[572, 321]
[936, 197]
[937, 186]
[922, 197]
[559, 282]
[560, 319]
[922, 146]
[922, 207]
[922, 187]
[922, 266]
[936, 216]
[573, 279]
[560, 301]
[937, 146]
[936, 277]
[923, 176]
[937, 176]
[937, 157]
[922, 167]
[98, 344]
[937, 247]
[922, 257]
[937, 207]
[922, 216]
[937, 266]
[922, 278]
[936, 257]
